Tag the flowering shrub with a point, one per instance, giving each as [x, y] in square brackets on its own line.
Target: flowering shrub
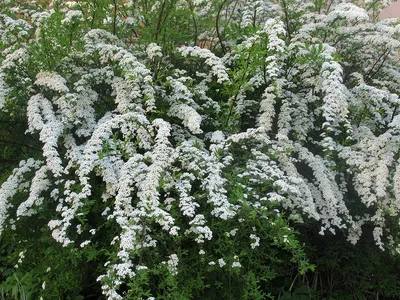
[176, 145]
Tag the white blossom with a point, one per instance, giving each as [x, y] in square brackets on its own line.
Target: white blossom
[221, 262]
[52, 81]
[236, 264]
[256, 241]
[173, 264]
[153, 50]
[217, 67]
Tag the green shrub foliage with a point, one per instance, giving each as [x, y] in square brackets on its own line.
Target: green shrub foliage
[196, 149]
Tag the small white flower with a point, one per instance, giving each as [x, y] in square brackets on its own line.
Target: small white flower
[232, 232]
[256, 241]
[153, 50]
[236, 264]
[285, 239]
[173, 264]
[105, 212]
[79, 229]
[174, 230]
[44, 285]
[221, 262]
[72, 14]
[83, 244]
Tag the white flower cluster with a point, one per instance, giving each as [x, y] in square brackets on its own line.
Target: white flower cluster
[218, 68]
[52, 81]
[72, 15]
[335, 105]
[173, 264]
[256, 241]
[41, 118]
[13, 30]
[137, 77]
[39, 183]
[153, 50]
[183, 105]
[14, 184]
[347, 11]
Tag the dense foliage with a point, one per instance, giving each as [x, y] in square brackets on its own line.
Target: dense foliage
[198, 149]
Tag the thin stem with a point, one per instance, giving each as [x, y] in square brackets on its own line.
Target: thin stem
[329, 7]
[228, 20]
[94, 15]
[384, 55]
[254, 17]
[393, 114]
[159, 20]
[19, 144]
[287, 22]
[217, 27]
[115, 18]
